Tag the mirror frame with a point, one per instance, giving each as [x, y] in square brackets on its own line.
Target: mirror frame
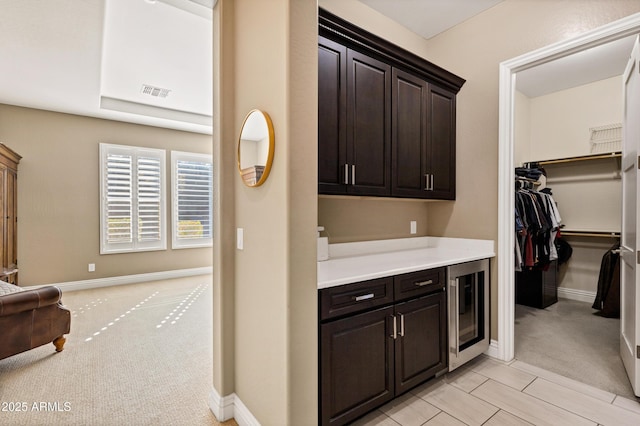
[271, 135]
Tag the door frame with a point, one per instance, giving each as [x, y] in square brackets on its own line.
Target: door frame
[504, 347]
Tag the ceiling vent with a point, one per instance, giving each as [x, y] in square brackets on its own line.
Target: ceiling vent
[158, 92]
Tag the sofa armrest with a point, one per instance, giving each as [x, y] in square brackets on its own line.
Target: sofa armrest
[29, 299]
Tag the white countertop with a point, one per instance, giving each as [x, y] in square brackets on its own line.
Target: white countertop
[353, 262]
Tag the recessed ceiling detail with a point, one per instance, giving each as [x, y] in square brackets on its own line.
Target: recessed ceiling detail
[156, 46]
[57, 61]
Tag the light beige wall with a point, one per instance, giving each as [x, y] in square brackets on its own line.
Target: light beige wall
[224, 157]
[275, 318]
[59, 195]
[302, 178]
[348, 219]
[522, 129]
[473, 50]
[560, 121]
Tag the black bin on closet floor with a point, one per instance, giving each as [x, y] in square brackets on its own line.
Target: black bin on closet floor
[537, 288]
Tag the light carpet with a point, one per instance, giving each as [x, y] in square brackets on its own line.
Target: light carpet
[569, 339]
[137, 355]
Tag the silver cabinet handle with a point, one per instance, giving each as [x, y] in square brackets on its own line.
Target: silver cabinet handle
[346, 174]
[401, 325]
[364, 297]
[353, 174]
[395, 334]
[423, 283]
[428, 182]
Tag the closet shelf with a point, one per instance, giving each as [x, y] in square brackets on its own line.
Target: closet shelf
[595, 234]
[603, 156]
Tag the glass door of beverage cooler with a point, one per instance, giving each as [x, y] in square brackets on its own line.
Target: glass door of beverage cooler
[468, 296]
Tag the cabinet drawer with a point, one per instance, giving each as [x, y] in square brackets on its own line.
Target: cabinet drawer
[351, 298]
[418, 283]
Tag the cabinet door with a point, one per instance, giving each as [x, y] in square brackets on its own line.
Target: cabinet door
[368, 125]
[409, 135]
[356, 366]
[421, 346]
[441, 143]
[332, 117]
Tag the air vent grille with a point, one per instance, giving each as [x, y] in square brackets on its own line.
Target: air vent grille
[158, 92]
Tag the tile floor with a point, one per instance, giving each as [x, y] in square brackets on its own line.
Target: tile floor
[489, 392]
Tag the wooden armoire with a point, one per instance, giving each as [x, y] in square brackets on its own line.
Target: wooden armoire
[8, 218]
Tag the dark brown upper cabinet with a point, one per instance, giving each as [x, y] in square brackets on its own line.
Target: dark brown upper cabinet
[386, 117]
[410, 99]
[354, 122]
[332, 117]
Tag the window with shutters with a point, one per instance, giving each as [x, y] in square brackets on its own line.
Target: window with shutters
[132, 199]
[192, 199]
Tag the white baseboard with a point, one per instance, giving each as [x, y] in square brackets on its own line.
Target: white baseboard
[493, 349]
[128, 279]
[230, 407]
[242, 415]
[221, 406]
[579, 295]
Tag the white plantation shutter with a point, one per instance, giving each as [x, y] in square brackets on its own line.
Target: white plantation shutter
[192, 199]
[119, 198]
[132, 199]
[149, 199]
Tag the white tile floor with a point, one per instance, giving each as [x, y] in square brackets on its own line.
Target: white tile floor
[489, 392]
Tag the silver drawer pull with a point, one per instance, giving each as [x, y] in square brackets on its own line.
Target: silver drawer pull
[364, 297]
[423, 283]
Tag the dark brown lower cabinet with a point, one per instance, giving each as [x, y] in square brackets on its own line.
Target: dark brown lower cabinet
[367, 359]
[421, 346]
[356, 360]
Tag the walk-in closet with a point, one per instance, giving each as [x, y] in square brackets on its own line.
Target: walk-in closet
[568, 187]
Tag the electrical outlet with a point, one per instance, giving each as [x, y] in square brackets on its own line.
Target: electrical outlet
[414, 227]
[92, 267]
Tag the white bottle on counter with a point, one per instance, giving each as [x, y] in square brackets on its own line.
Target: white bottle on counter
[323, 246]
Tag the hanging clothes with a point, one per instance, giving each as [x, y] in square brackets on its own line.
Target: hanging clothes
[537, 222]
[607, 299]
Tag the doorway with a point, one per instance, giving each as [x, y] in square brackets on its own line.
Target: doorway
[508, 76]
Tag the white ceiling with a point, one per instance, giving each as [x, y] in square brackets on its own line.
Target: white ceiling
[428, 18]
[594, 64]
[53, 59]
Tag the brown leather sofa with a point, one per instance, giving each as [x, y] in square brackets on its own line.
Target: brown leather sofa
[31, 318]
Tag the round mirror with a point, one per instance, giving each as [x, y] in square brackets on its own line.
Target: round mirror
[255, 148]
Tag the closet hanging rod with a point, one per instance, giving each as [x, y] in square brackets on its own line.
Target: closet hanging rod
[616, 154]
[597, 234]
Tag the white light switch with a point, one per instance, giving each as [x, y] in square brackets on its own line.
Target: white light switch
[414, 227]
[92, 267]
[240, 239]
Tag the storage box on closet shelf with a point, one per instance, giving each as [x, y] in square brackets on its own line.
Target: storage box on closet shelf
[606, 139]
